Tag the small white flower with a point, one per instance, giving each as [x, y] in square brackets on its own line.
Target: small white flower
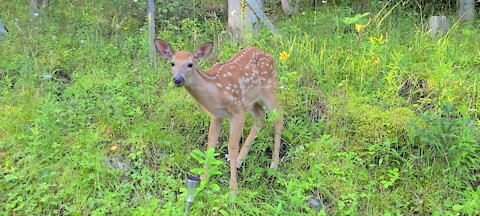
[324, 2]
[82, 41]
[46, 76]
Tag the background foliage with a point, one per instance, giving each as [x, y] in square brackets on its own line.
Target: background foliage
[380, 117]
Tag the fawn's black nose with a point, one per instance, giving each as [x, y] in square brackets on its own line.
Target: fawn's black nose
[178, 80]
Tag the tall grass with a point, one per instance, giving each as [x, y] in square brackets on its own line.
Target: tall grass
[378, 121]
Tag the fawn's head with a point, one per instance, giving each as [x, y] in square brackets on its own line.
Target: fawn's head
[183, 62]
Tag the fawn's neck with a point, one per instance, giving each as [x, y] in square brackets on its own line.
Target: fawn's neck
[203, 89]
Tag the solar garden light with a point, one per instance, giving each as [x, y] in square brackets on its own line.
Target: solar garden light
[192, 184]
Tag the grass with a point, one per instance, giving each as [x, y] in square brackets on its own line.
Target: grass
[380, 121]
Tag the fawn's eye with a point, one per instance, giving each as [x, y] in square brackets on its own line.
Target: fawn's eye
[173, 64]
[190, 65]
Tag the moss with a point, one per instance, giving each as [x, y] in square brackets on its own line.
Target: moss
[363, 124]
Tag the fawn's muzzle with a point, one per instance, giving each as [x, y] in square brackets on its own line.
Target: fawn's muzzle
[178, 80]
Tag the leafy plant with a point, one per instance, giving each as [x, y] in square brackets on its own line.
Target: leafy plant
[357, 19]
[210, 167]
[87, 127]
[471, 204]
[447, 139]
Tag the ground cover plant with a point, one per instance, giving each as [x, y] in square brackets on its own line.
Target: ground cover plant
[380, 117]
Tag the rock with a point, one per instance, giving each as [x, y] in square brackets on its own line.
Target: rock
[466, 9]
[3, 31]
[316, 204]
[438, 25]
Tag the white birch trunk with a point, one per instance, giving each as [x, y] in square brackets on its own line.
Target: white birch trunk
[297, 6]
[33, 8]
[234, 18]
[45, 4]
[466, 9]
[287, 9]
[151, 31]
[241, 19]
[257, 8]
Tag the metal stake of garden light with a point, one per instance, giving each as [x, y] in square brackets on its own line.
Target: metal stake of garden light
[192, 183]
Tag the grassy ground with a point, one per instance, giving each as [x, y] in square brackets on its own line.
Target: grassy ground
[382, 119]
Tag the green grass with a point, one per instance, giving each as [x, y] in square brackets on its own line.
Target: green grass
[385, 121]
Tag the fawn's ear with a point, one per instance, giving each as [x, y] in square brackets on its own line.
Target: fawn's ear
[163, 48]
[203, 51]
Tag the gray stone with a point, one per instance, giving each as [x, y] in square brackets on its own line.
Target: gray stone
[316, 204]
[3, 31]
[438, 25]
[466, 9]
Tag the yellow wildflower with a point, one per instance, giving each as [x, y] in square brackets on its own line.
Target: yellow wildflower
[375, 40]
[113, 148]
[284, 56]
[359, 27]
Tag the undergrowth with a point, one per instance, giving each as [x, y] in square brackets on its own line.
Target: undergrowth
[380, 118]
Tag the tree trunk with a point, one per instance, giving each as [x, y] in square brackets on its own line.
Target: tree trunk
[287, 9]
[151, 31]
[45, 4]
[234, 18]
[241, 19]
[33, 8]
[466, 9]
[257, 8]
[297, 6]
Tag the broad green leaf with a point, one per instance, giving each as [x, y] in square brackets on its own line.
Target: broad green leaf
[198, 155]
[216, 162]
[214, 187]
[197, 171]
[223, 212]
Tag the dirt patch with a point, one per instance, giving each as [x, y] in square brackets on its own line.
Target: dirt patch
[417, 92]
[318, 111]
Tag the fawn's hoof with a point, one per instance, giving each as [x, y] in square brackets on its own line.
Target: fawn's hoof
[239, 163]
